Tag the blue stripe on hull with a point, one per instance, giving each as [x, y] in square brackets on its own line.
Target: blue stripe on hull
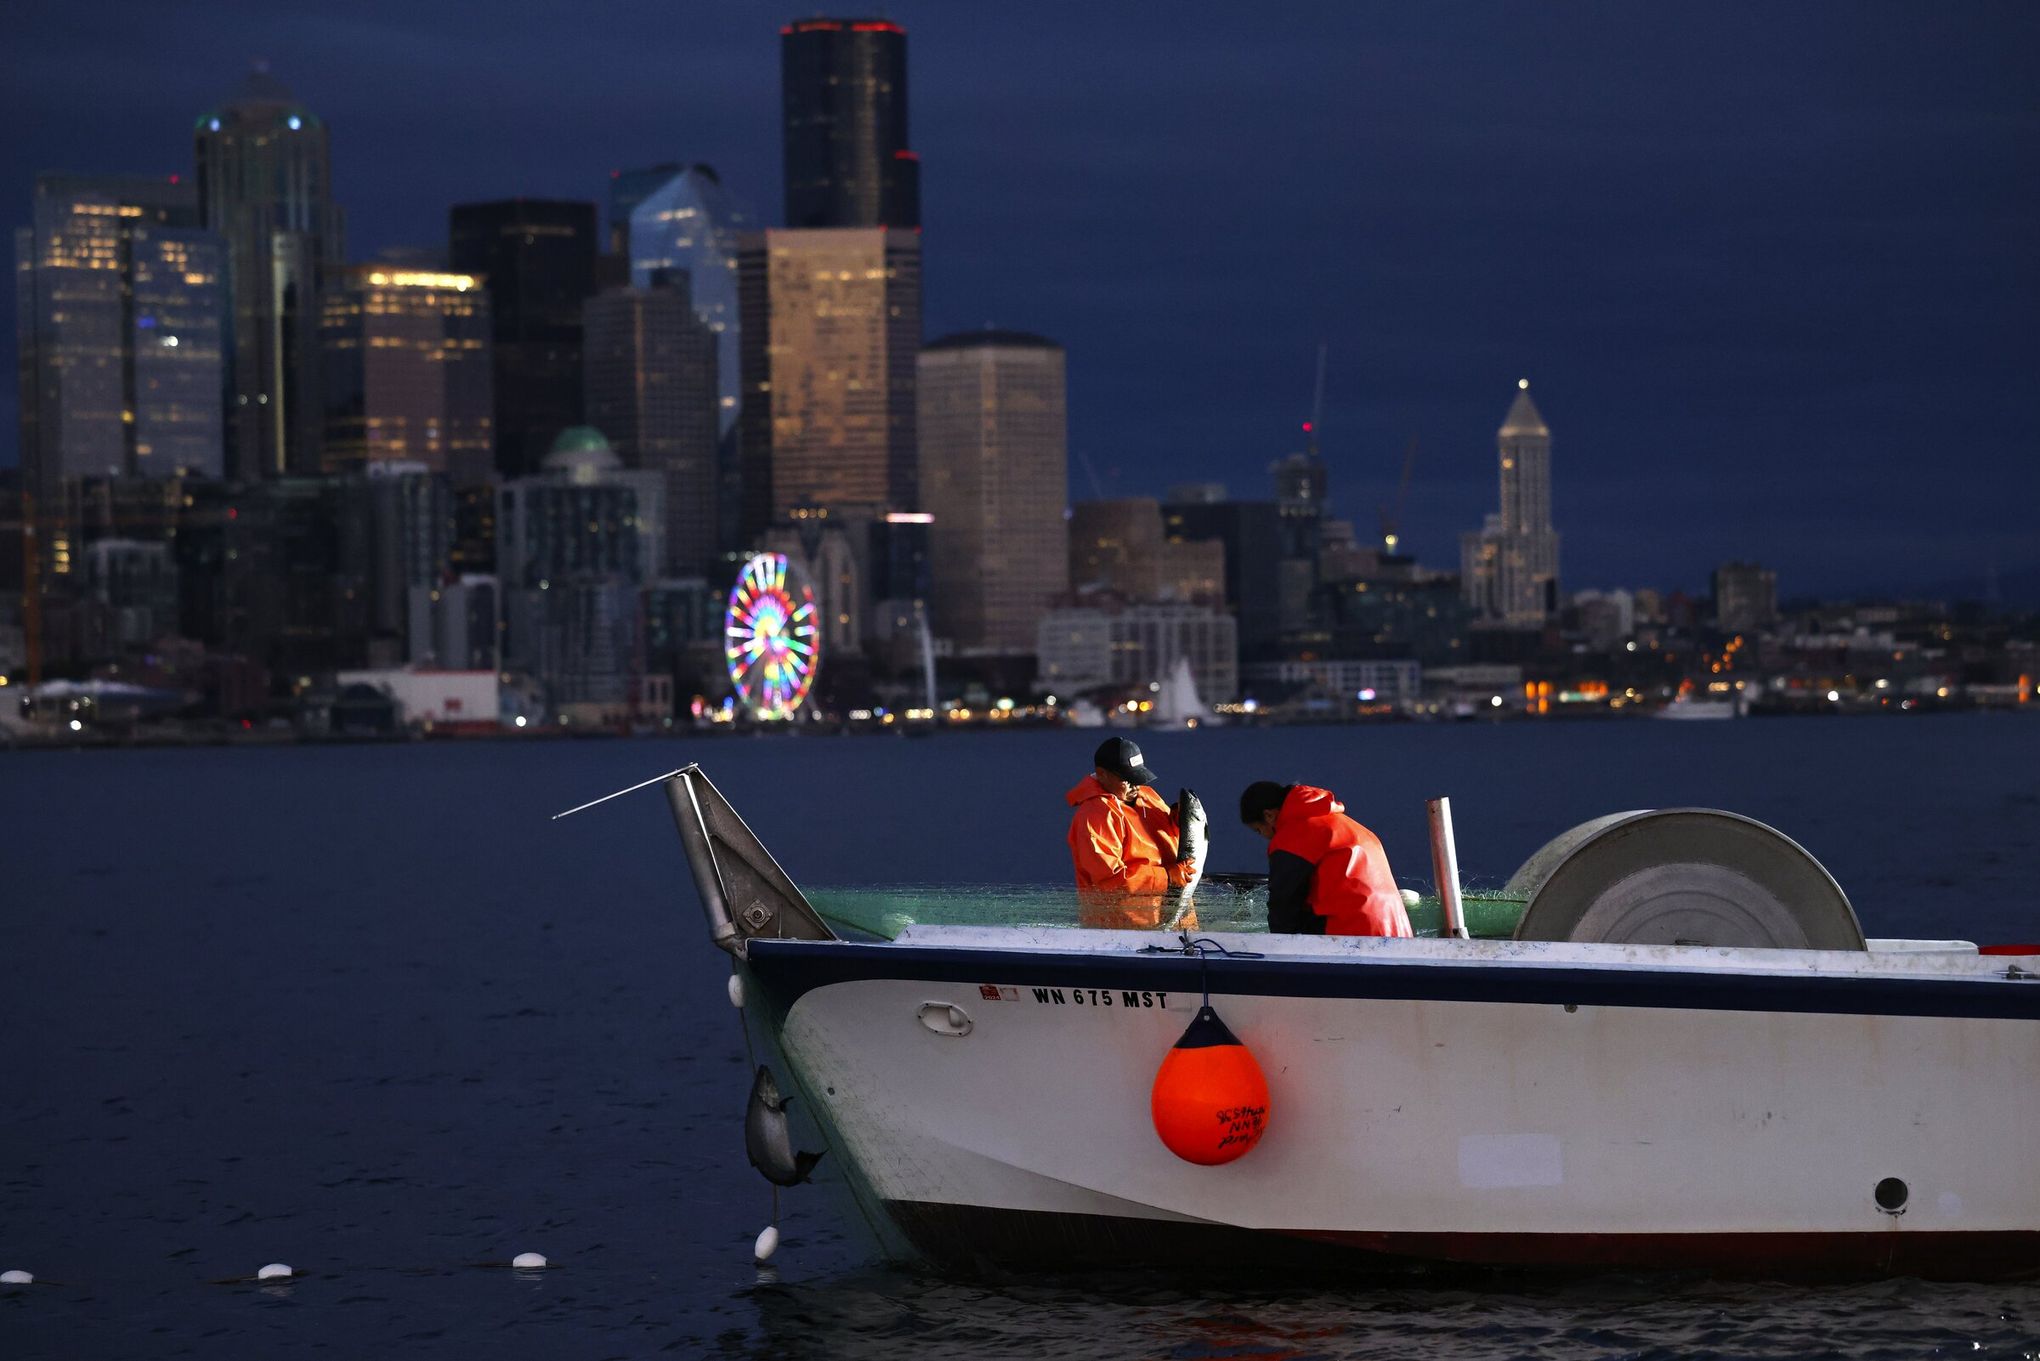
[791, 968]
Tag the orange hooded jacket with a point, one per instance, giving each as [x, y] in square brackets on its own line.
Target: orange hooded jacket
[1328, 874]
[1125, 855]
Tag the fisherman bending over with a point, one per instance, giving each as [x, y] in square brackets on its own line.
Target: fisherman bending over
[1327, 875]
[1124, 840]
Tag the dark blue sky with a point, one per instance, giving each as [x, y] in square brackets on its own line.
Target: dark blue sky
[1773, 270]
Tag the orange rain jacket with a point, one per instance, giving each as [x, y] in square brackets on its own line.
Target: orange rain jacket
[1125, 855]
[1327, 874]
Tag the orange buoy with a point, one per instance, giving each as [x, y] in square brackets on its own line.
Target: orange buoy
[1210, 1100]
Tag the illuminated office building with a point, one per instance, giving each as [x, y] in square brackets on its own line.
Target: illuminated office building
[406, 371]
[537, 261]
[843, 89]
[993, 427]
[1509, 567]
[265, 185]
[831, 334]
[650, 375]
[119, 310]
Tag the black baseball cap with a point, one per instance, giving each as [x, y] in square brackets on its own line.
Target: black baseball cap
[1122, 758]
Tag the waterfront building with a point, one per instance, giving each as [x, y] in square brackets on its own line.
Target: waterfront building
[831, 334]
[1121, 546]
[265, 186]
[536, 258]
[266, 572]
[843, 89]
[1116, 545]
[1355, 680]
[135, 584]
[993, 428]
[1251, 535]
[396, 537]
[456, 624]
[1509, 567]
[571, 564]
[1132, 644]
[1606, 618]
[120, 302]
[650, 382]
[1745, 597]
[406, 371]
[1391, 614]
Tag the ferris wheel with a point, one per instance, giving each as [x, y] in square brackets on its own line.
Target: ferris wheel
[770, 636]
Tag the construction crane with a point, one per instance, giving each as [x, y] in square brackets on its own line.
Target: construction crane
[1317, 405]
[1391, 519]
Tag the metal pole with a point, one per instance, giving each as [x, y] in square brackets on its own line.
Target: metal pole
[1445, 866]
[722, 927]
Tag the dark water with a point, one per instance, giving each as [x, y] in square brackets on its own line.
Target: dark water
[367, 1012]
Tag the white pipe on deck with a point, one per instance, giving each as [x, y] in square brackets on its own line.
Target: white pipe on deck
[1445, 867]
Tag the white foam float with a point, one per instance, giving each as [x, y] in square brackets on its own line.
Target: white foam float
[529, 1261]
[274, 1271]
[736, 991]
[767, 1244]
[16, 1278]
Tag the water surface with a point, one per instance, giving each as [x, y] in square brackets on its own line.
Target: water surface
[367, 1011]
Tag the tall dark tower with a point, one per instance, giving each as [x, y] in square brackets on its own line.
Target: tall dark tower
[265, 185]
[537, 259]
[843, 83]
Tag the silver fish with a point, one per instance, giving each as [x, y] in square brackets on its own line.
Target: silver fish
[1196, 842]
[768, 1141]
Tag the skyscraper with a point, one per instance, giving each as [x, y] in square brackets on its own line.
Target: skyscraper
[843, 87]
[119, 311]
[265, 185]
[406, 371]
[993, 427]
[651, 388]
[831, 334]
[627, 189]
[537, 260]
[1509, 567]
[690, 222]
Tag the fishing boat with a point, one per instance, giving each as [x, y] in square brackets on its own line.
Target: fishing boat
[1665, 1043]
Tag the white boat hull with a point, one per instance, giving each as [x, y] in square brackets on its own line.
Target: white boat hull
[1434, 1099]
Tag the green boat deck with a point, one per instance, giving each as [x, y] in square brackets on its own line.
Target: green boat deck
[883, 912]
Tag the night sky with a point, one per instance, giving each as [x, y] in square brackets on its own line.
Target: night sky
[1772, 270]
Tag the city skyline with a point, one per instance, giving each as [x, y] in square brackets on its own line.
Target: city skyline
[1762, 308]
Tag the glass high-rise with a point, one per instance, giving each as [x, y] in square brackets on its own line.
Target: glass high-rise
[692, 223]
[843, 89]
[537, 261]
[627, 189]
[119, 315]
[265, 185]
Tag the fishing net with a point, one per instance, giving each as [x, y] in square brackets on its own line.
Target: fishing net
[885, 911]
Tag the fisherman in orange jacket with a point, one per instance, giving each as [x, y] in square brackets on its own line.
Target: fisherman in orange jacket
[1124, 840]
[1327, 875]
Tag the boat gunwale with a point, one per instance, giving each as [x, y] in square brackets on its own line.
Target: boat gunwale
[1521, 972]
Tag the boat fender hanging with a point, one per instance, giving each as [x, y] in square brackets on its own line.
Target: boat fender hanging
[1210, 1101]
